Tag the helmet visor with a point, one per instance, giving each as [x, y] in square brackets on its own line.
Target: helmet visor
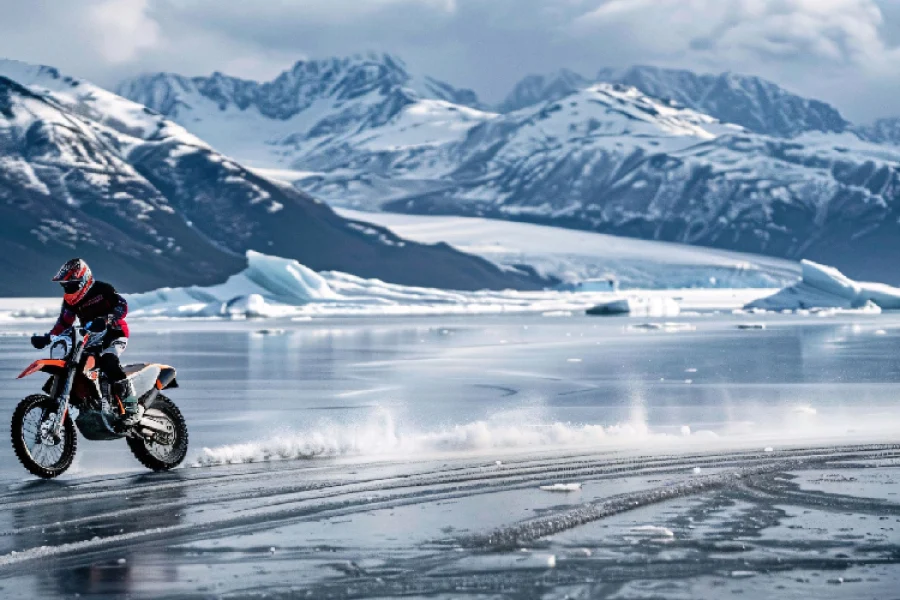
[70, 287]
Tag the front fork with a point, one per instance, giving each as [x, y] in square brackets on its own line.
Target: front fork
[63, 403]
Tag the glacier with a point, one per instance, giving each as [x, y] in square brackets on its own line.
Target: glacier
[588, 261]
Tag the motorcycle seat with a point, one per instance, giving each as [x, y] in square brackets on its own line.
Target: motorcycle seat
[133, 369]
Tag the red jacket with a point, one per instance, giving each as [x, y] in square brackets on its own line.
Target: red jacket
[102, 300]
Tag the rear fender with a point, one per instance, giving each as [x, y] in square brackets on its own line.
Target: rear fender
[54, 367]
[145, 379]
[166, 379]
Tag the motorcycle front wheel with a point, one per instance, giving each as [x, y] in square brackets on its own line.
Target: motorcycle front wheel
[162, 452]
[34, 442]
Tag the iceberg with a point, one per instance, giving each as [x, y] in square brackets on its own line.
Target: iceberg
[273, 287]
[268, 287]
[278, 287]
[637, 306]
[823, 287]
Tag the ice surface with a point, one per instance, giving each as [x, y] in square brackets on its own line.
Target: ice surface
[277, 287]
[412, 489]
[826, 287]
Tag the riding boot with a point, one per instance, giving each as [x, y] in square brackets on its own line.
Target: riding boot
[124, 391]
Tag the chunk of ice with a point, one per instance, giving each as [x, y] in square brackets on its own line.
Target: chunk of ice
[826, 287]
[562, 487]
[636, 306]
[652, 531]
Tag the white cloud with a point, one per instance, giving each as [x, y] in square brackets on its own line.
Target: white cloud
[835, 49]
[843, 51]
[748, 32]
[122, 29]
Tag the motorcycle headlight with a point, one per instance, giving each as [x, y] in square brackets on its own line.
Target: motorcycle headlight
[59, 350]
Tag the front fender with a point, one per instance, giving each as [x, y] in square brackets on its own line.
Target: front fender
[54, 367]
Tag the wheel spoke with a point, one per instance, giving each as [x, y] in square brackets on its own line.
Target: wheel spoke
[163, 452]
[45, 455]
[37, 452]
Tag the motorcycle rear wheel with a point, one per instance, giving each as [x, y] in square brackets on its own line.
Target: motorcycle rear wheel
[156, 456]
[35, 449]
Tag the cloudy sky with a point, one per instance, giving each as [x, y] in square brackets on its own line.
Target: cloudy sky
[843, 51]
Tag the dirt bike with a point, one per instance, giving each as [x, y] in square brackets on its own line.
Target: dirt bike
[76, 394]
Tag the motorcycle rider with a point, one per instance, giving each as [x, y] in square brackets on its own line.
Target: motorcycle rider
[91, 300]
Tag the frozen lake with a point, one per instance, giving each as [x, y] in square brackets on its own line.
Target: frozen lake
[709, 452]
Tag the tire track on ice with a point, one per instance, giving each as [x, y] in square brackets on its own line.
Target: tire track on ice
[291, 503]
[514, 536]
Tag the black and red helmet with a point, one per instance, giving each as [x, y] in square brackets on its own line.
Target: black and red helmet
[76, 279]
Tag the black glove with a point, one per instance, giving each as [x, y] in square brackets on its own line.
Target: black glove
[40, 341]
[97, 325]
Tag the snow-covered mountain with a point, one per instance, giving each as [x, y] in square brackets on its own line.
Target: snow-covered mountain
[537, 89]
[308, 82]
[728, 161]
[882, 131]
[311, 113]
[758, 105]
[752, 102]
[344, 126]
[86, 172]
[613, 160]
